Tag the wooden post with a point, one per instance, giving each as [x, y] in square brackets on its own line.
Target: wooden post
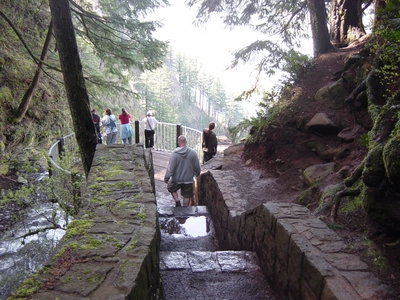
[60, 145]
[137, 133]
[178, 133]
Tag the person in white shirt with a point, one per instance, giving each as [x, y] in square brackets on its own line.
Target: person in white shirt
[150, 124]
[109, 122]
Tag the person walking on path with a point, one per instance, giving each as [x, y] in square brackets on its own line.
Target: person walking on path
[96, 122]
[126, 128]
[109, 122]
[210, 142]
[183, 166]
[149, 125]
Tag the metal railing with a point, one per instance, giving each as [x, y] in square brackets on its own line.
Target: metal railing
[66, 143]
[166, 135]
[165, 139]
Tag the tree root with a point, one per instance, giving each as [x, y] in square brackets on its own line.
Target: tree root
[337, 199]
[4, 177]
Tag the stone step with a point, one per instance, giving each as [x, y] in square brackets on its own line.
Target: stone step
[192, 268]
[213, 275]
[182, 211]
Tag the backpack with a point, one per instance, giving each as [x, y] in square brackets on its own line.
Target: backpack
[112, 124]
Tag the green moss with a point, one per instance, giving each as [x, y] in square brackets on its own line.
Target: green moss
[111, 173]
[73, 245]
[67, 279]
[100, 201]
[77, 227]
[110, 186]
[131, 245]
[113, 241]
[352, 205]
[141, 216]
[391, 158]
[27, 288]
[90, 244]
[93, 279]
[375, 255]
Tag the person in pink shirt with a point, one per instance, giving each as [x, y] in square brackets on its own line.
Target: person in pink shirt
[126, 128]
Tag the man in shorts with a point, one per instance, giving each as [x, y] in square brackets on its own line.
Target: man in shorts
[183, 166]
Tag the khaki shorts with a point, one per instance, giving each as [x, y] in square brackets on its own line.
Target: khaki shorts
[186, 189]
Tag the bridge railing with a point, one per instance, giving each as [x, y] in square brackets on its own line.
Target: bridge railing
[165, 139]
[166, 135]
[66, 143]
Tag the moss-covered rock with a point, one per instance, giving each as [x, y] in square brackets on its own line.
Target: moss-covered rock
[309, 196]
[382, 205]
[335, 93]
[374, 170]
[391, 159]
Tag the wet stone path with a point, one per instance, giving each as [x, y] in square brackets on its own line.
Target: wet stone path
[191, 265]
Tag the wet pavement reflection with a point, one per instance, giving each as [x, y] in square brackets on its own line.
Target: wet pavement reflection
[189, 226]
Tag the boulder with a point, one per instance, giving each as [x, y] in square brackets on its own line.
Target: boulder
[318, 173]
[350, 134]
[321, 124]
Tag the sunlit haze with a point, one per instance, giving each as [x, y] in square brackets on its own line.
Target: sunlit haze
[211, 44]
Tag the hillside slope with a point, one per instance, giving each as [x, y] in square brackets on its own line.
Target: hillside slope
[279, 161]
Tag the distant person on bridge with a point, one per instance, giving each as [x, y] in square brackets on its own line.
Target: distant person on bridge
[109, 122]
[126, 128]
[182, 168]
[149, 125]
[210, 142]
[96, 122]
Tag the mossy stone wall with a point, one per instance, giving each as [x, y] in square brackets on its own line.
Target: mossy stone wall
[110, 250]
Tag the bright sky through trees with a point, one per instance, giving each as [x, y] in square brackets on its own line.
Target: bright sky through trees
[211, 43]
[213, 46]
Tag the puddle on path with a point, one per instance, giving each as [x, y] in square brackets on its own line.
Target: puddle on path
[188, 226]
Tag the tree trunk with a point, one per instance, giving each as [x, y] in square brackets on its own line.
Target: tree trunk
[26, 100]
[71, 66]
[345, 19]
[378, 5]
[319, 27]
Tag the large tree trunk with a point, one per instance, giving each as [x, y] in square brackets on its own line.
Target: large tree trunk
[378, 5]
[319, 27]
[74, 82]
[26, 100]
[345, 21]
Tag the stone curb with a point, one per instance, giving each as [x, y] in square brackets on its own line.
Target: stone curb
[299, 254]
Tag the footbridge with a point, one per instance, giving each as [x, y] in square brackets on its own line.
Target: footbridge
[127, 241]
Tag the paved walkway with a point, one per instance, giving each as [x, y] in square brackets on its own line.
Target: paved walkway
[190, 263]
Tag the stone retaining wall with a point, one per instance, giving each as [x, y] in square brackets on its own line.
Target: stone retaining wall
[299, 254]
[110, 250]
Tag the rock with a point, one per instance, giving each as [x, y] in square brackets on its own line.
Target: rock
[321, 124]
[223, 140]
[317, 173]
[349, 134]
[232, 155]
[343, 172]
[22, 180]
[334, 93]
